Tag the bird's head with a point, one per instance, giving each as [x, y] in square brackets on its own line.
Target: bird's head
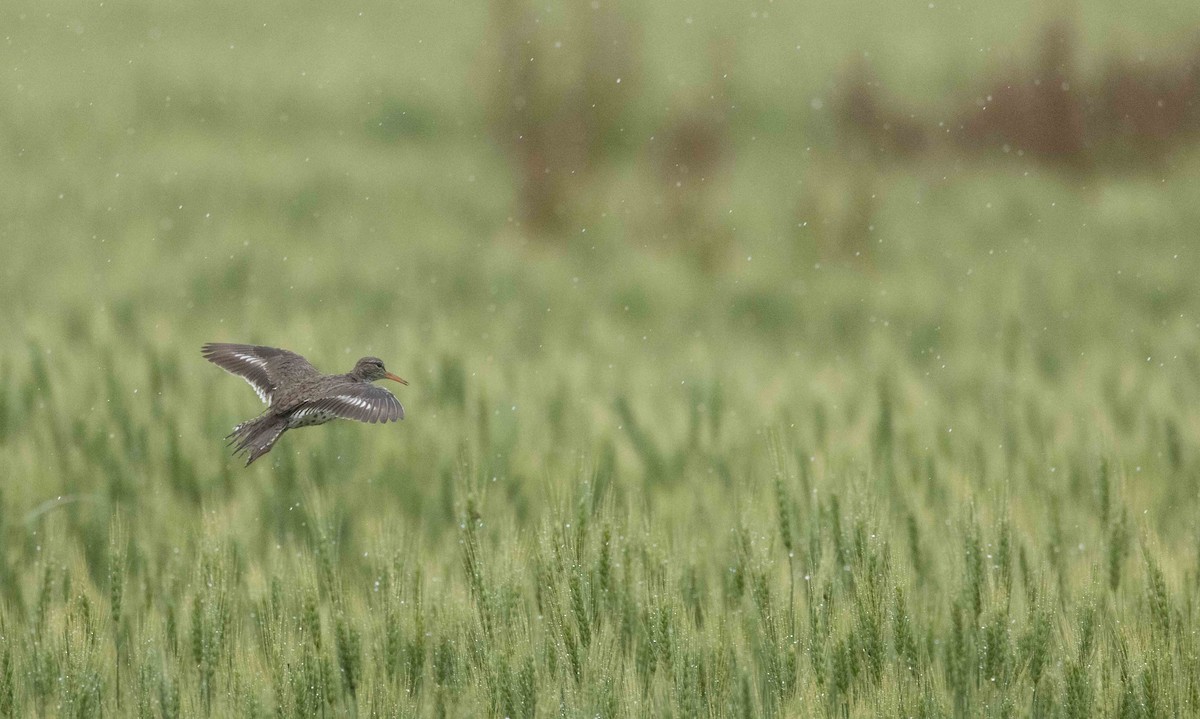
[371, 369]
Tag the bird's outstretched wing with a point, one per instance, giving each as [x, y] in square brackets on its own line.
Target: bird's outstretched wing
[362, 402]
[260, 366]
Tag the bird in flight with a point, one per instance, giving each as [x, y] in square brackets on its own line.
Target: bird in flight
[298, 395]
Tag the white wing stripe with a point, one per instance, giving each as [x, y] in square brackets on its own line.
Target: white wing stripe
[371, 405]
[262, 394]
[256, 361]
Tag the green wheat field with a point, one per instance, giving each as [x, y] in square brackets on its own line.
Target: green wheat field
[783, 432]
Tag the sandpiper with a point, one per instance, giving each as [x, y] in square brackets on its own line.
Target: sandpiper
[298, 395]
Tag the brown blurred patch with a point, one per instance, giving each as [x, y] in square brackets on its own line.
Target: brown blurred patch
[1039, 113]
[861, 108]
[1131, 114]
[838, 201]
[1146, 109]
[557, 101]
[691, 152]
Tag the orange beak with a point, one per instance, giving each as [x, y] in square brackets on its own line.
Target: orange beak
[394, 378]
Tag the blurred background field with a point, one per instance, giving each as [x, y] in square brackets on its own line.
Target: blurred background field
[767, 359]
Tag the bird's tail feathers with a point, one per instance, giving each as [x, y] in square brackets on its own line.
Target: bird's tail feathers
[257, 436]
